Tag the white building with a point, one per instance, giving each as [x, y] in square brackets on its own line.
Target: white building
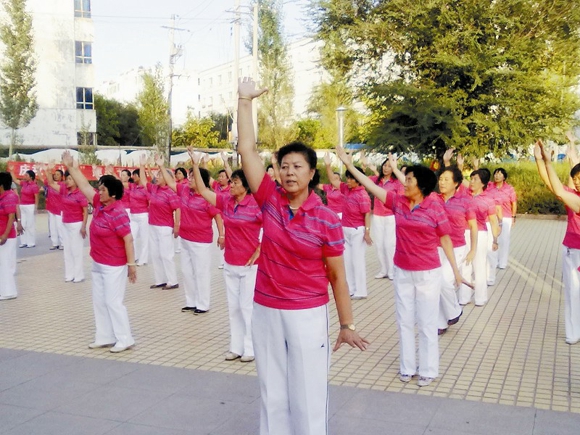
[63, 43]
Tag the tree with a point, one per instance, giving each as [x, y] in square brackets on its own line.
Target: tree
[478, 76]
[275, 107]
[18, 104]
[152, 108]
[222, 124]
[117, 123]
[197, 132]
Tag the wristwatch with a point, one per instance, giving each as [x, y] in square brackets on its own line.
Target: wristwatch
[348, 326]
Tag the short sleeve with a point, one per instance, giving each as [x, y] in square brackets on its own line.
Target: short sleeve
[365, 202]
[334, 243]
[265, 191]
[220, 202]
[391, 199]
[443, 226]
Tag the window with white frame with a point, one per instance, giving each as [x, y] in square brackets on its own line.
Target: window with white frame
[83, 52]
[85, 98]
[83, 8]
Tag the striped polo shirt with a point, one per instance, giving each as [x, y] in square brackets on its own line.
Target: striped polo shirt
[357, 204]
[73, 203]
[196, 215]
[484, 206]
[139, 198]
[8, 204]
[505, 197]
[418, 231]
[387, 184]
[108, 227]
[292, 273]
[572, 236]
[459, 209]
[334, 198]
[54, 197]
[27, 191]
[162, 202]
[243, 222]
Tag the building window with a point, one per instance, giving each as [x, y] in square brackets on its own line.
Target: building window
[210, 82]
[85, 138]
[229, 77]
[83, 52]
[85, 98]
[83, 8]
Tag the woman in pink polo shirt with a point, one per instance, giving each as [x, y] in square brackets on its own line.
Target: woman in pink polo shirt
[334, 197]
[301, 253]
[356, 224]
[507, 197]
[383, 221]
[422, 227]
[163, 228]
[571, 243]
[243, 221]
[139, 208]
[74, 220]
[54, 205]
[113, 258]
[125, 178]
[195, 230]
[29, 192]
[8, 205]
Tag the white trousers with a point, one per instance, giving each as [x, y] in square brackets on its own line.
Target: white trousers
[417, 301]
[384, 238]
[571, 278]
[292, 361]
[28, 220]
[73, 252]
[449, 307]
[240, 284]
[354, 260]
[8, 269]
[504, 242]
[195, 266]
[492, 257]
[479, 272]
[140, 232]
[162, 253]
[56, 229]
[111, 318]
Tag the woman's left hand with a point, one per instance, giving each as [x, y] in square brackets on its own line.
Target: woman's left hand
[132, 274]
[367, 238]
[221, 242]
[84, 232]
[19, 228]
[351, 338]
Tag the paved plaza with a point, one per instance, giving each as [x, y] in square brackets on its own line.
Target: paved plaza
[505, 368]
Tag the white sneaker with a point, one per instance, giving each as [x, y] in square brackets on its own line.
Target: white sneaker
[221, 266]
[380, 275]
[230, 356]
[100, 346]
[119, 349]
[405, 378]
[247, 358]
[7, 298]
[567, 341]
[424, 381]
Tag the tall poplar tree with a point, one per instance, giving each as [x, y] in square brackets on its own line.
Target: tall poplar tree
[152, 108]
[18, 104]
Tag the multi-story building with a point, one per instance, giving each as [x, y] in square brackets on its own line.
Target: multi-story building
[63, 43]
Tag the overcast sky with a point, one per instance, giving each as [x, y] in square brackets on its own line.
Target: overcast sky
[129, 33]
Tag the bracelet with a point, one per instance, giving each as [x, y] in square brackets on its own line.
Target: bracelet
[367, 228]
[245, 98]
[131, 264]
[221, 237]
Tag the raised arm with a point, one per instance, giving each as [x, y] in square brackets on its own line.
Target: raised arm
[251, 163]
[541, 165]
[14, 179]
[227, 166]
[48, 178]
[276, 167]
[142, 172]
[570, 199]
[393, 162]
[572, 151]
[169, 180]
[208, 194]
[377, 191]
[72, 166]
[331, 179]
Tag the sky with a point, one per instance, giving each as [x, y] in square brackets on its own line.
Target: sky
[130, 33]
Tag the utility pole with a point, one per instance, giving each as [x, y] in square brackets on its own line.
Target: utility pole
[255, 66]
[236, 77]
[175, 52]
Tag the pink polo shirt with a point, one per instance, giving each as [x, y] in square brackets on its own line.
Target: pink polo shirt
[292, 273]
[357, 204]
[387, 184]
[572, 236]
[126, 199]
[506, 196]
[139, 199]
[162, 203]
[484, 206]
[218, 188]
[459, 209]
[28, 189]
[72, 206]
[243, 222]
[54, 197]
[108, 227]
[418, 231]
[196, 216]
[8, 204]
[335, 200]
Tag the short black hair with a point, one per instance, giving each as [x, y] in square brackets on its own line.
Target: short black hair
[348, 174]
[205, 176]
[61, 173]
[269, 167]
[113, 185]
[222, 170]
[66, 173]
[31, 174]
[575, 170]
[239, 174]
[309, 155]
[182, 170]
[484, 175]
[136, 172]
[127, 171]
[503, 171]
[455, 173]
[6, 180]
[426, 178]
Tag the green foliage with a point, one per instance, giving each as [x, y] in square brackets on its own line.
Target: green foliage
[18, 104]
[117, 123]
[275, 107]
[222, 124]
[198, 133]
[152, 108]
[477, 76]
[88, 155]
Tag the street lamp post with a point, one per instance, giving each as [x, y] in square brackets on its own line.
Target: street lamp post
[340, 114]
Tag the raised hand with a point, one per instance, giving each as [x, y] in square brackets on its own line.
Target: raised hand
[327, 159]
[448, 156]
[67, 159]
[159, 160]
[342, 155]
[142, 159]
[247, 89]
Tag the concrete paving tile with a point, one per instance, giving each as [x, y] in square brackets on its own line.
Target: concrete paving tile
[137, 429]
[12, 416]
[341, 425]
[53, 423]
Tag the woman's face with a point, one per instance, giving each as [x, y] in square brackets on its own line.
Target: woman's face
[124, 177]
[160, 180]
[295, 173]
[222, 179]
[576, 181]
[27, 177]
[446, 184]
[236, 187]
[191, 180]
[498, 177]
[351, 183]
[334, 178]
[104, 196]
[387, 170]
[179, 176]
[475, 184]
[70, 183]
[136, 178]
[57, 176]
[411, 186]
